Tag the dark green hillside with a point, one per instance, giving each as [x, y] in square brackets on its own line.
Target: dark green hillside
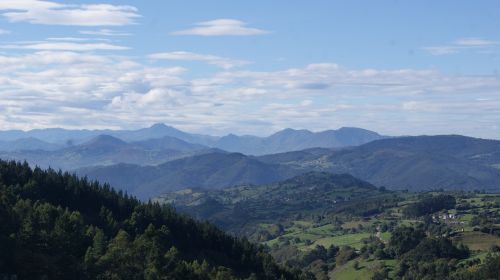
[212, 170]
[54, 225]
[313, 193]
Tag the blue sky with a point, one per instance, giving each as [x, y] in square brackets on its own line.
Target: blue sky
[252, 67]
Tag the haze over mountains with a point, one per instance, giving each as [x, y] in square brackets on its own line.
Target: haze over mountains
[72, 149]
[107, 150]
[281, 141]
[150, 161]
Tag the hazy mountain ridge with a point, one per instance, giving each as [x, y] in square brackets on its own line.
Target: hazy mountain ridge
[73, 149]
[108, 150]
[292, 140]
[71, 137]
[282, 141]
[27, 144]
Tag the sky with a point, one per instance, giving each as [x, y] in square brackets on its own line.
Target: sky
[252, 67]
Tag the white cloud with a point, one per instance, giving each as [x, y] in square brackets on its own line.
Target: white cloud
[80, 89]
[222, 62]
[460, 45]
[475, 42]
[75, 39]
[221, 27]
[104, 32]
[53, 13]
[3, 31]
[64, 45]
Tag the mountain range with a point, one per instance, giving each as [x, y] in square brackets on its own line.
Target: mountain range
[151, 161]
[293, 140]
[107, 150]
[414, 163]
[282, 141]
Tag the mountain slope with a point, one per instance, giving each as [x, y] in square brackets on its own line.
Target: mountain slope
[416, 163]
[168, 142]
[212, 170]
[56, 226]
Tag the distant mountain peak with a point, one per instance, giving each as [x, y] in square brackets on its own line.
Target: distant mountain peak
[291, 131]
[160, 126]
[351, 128]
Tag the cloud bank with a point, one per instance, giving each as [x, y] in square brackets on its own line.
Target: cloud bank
[463, 44]
[79, 89]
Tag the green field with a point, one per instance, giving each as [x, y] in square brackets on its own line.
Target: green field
[365, 269]
[477, 241]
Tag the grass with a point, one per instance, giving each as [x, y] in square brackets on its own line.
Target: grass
[353, 240]
[354, 224]
[385, 236]
[365, 270]
[466, 218]
[477, 241]
[322, 230]
[306, 235]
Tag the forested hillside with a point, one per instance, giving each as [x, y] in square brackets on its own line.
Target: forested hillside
[54, 225]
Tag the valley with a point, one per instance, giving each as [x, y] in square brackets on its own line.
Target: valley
[302, 219]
